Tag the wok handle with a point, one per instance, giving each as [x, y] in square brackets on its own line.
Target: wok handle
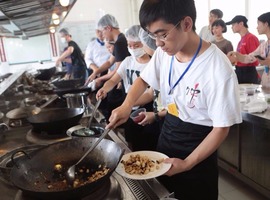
[13, 155]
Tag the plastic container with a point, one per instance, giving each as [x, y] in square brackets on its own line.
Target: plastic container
[250, 90]
[136, 116]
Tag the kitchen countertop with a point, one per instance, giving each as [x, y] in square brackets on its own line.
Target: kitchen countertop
[9, 81]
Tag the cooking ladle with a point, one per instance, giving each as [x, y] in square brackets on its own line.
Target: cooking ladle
[81, 130]
[70, 175]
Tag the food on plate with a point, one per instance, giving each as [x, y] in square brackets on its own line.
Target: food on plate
[141, 164]
[83, 175]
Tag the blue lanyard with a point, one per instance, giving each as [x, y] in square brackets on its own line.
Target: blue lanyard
[191, 62]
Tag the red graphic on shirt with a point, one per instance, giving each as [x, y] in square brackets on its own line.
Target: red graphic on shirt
[193, 92]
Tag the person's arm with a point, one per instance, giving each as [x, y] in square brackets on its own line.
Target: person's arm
[65, 54]
[121, 114]
[208, 146]
[265, 62]
[88, 55]
[146, 97]
[93, 66]
[150, 117]
[105, 66]
[108, 86]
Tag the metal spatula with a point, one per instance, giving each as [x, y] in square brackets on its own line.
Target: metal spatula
[70, 175]
[94, 112]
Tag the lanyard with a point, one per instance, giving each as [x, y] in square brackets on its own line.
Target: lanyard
[191, 62]
[100, 42]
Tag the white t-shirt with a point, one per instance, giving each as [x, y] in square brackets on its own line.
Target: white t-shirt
[129, 70]
[208, 93]
[96, 53]
[206, 34]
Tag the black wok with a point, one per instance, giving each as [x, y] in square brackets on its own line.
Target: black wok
[68, 84]
[40, 166]
[71, 86]
[45, 74]
[55, 121]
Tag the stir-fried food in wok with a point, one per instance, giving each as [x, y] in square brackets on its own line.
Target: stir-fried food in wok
[139, 164]
[83, 176]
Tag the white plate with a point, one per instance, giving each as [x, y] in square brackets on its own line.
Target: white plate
[164, 167]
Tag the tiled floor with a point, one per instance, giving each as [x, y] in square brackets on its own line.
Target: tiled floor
[231, 188]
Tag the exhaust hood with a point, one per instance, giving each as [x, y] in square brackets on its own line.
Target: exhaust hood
[28, 18]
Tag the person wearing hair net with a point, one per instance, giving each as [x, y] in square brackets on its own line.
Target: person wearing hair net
[96, 53]
[109, 27]
[159, 113]
[78, 64]
[139, 136]
[149, 44]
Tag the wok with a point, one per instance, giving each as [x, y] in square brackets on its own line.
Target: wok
[55, 121]
[45, 74]
[70, 86]
[39, 165]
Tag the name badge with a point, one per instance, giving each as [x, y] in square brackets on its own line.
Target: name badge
[172, 108]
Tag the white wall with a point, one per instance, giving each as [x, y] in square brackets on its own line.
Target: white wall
[92, 10]
[31, 50]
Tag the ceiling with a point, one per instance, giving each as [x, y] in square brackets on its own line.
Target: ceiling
[28, 18]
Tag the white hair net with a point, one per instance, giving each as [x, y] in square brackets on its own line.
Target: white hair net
[132, 34]
[108, 20]
[151, 43]
[64, 31]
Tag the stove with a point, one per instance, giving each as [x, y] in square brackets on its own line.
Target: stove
[110, 190]
[117, 186]
[44, 138]
[122, 187]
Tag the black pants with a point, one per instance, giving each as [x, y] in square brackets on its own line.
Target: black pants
[247, 74]
[79, 72]
[178, 139]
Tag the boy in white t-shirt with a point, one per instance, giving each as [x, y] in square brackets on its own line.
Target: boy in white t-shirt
[199, 89]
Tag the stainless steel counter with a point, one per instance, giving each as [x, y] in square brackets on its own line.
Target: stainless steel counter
[245, 152]
[9, 81]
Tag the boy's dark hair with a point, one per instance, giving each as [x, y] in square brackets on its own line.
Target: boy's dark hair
[217, 12]
[220, 22]
[265, 18]
[170, 11]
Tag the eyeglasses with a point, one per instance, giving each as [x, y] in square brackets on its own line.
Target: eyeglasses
[164, 36]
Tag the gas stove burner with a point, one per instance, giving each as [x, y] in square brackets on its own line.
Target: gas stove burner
[44, 138]
[6, 163]
[111, 189]
[15, 123]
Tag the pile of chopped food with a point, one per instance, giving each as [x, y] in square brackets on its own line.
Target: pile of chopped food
[140, 164]
[83, 176]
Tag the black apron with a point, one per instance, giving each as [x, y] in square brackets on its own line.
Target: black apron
[247, 74]
[142, 137]
[177, 140]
